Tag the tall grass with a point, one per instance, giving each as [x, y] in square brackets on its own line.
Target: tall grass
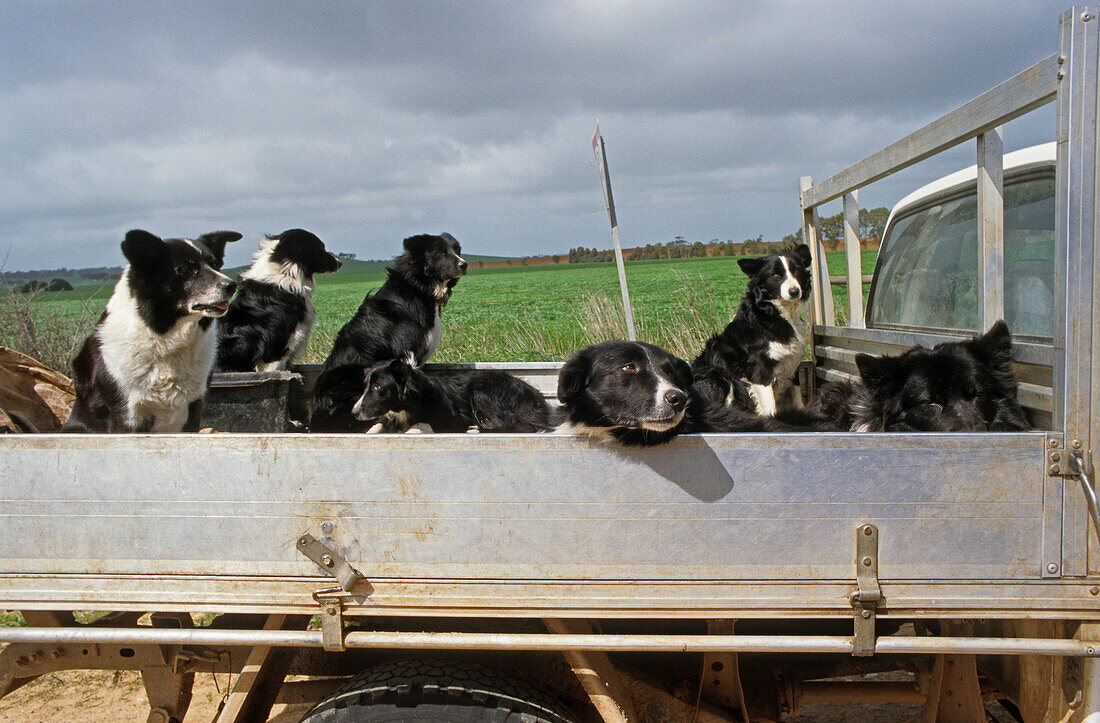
[50, 333]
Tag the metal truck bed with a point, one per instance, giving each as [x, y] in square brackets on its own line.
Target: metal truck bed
[540, 525]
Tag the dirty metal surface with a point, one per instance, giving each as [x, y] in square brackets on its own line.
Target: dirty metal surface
[710, 522]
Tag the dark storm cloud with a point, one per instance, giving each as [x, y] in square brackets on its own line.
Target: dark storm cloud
[368, 122]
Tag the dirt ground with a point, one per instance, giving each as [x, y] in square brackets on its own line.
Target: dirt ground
[93, 696]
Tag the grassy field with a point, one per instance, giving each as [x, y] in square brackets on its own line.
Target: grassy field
[521, 313]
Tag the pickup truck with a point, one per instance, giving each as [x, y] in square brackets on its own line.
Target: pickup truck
[723, 577]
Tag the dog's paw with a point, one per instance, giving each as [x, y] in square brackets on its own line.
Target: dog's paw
[420, 428]
[376, 428]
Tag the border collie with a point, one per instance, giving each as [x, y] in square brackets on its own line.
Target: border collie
[638, 394]
[398, 397]
[270, 319]
[959, 386]
[753, 362]
[145, 366]
[400, 321]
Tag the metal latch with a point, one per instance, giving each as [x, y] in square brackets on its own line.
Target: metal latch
[867, 595]
[331, 599]
[1079, 464]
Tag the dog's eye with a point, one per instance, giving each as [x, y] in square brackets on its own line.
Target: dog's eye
[375, 387]
[629, 368]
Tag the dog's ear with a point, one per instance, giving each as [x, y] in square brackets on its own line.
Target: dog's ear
[877, 371]
[751, 266]
[682, 374]
[574, 377]
[215, 242]
[995, 347]
[145, 252]
[419, 244]
[802, 253]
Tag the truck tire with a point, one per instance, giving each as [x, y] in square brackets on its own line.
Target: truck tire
[429, 690]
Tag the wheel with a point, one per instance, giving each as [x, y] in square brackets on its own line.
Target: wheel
[447, 691]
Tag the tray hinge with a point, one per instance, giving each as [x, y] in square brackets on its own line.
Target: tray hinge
[331, 599]
[867, 595]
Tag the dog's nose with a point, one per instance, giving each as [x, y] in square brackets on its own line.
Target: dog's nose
[675, 399]
[462, 266]
[795, 293]
[339, 263]
[228, 286]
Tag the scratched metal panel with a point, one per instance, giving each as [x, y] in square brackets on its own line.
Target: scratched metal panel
[536, 507]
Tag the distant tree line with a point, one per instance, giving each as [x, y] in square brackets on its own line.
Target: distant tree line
[96, 273]
[678, 248]
[36, 285]
[872, 222]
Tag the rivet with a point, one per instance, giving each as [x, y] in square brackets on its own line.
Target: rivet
[1053, 442]
[1077, 444]
[326, 527]
[868, 530]
[303, 540]
[1090, 651]
[1086, 16]
[1094, 590]
[57, 653]
[326, 560]
[22, 661]
[1061, 59]
[330, 610]
[866, 614]
[866, 562]
[1052, 567]
[1061, 74]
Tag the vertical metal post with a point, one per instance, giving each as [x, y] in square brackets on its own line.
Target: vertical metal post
[1076, 382]
[821, 307]
[991, 226]
[1075, 225]
[853, 260]
[609, 201]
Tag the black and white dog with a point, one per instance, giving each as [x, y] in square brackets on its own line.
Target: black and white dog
[753, 362]
[398, 397]
[145, 366]
[638, 394]
[400, 321]
[270, 319]
[959, 386]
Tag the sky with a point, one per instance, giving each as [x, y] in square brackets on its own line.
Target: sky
[366, 122]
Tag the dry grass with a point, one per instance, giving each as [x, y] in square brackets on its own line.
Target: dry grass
[47, 334]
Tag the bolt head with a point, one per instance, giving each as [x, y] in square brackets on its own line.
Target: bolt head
[1052, 567]
[1054, 456]
[865, 614]
[866, 562]
[330, 610]
[1094, 590]
[868, 530]
[1085, 17]
[1055, 469]
[326, 527]
[326, 560]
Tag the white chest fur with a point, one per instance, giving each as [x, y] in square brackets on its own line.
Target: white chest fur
[787, 355]
[435, 334]
[159, 374]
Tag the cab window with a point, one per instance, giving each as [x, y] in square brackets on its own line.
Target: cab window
[927, 275]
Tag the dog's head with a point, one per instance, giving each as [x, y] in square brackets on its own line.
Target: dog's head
[439, 258]
[952, 387]
[616, 386]
[387, 388]
[303, 249]
[174, 278]
[784, 276]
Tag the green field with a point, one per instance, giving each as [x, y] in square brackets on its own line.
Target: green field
[521, 313]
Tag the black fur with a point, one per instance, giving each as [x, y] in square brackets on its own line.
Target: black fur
[266, 318]
[611, 389]
[964, 386]
[394, 323]
[451, 400]
[168, 280]
[740, 351]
